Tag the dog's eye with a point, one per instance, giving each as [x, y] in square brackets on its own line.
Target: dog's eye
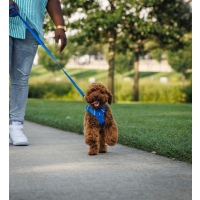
[91, 91]
[101, 92]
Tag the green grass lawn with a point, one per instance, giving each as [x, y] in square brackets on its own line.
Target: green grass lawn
[163, 128]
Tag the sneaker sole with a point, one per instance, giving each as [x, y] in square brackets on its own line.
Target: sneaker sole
[20, 144]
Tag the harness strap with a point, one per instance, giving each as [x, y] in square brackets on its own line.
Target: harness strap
[98, 114]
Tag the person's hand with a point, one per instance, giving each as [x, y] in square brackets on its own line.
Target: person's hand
[55, 12]
[11, 2]
[60, 35]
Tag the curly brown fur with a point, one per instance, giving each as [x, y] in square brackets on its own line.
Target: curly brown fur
[98, 137]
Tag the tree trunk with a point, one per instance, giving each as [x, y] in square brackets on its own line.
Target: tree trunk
[111, 60]
[183, 76]
[136, 78]
[54, 74]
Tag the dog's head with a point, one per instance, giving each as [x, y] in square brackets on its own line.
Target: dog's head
[97, 95]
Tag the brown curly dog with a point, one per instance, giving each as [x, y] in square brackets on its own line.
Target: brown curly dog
[100, 128]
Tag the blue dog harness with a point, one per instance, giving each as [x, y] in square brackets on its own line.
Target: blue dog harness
[98, 113]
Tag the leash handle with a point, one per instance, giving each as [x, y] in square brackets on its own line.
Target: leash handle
[16, 13]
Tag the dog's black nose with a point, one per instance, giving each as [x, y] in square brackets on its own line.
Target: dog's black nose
[95, 96]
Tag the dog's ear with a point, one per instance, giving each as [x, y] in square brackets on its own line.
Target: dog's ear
[110, 96]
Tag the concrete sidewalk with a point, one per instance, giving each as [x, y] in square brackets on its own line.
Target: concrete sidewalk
[55, 166]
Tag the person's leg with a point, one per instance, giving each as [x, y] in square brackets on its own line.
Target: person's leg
[21, 56]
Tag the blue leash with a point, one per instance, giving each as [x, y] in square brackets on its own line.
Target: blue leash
[16, 13]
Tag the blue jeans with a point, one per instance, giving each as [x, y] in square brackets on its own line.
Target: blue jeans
[21, 55]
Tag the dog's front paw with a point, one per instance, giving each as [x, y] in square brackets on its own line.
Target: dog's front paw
[92, 153]
[111, 142]
[93, 150]
[103, 149]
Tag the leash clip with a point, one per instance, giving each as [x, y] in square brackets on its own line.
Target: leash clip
[15, 11]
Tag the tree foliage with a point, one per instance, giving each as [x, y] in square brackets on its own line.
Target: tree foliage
[48, 62]
[181, 60]
[128, 26]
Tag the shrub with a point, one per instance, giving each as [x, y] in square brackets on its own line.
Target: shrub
[187, 91]
[154, 92]
[148, 91]
[49, 90]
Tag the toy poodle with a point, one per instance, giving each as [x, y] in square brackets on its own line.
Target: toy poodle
[100, 128]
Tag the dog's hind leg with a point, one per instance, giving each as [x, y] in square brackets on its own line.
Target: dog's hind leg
[102, 146]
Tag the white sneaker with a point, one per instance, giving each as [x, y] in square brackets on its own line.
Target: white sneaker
[16, 134]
